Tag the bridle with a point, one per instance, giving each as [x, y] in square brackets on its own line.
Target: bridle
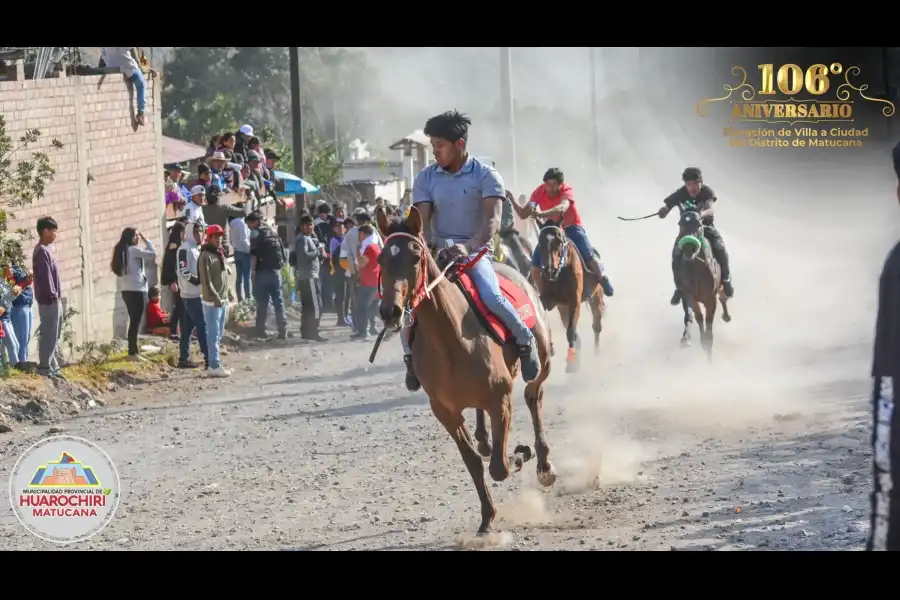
[549, 273]
[423, 287]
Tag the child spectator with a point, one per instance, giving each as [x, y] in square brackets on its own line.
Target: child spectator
[308, 253]
[157, 319]
[367, 294]
[8, 292]
[339, 274]
[20, 314]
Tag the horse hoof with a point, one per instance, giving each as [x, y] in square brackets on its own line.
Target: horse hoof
[685, 343]
[547, 477]
[484, 532]
[726, 318]
[525, 451]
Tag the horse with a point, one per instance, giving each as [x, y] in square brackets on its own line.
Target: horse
[700, 281]
[564, 283]
[458, 355]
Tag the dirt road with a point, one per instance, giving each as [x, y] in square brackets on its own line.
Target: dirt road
[342, 457]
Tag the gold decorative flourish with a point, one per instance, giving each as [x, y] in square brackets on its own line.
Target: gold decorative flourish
[844, 94]
[748, 93]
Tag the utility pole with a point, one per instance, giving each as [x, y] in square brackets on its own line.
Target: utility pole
[595, 116]
[297, 130]
[507, 107]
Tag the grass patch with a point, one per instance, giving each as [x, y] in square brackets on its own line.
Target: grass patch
[98, 373]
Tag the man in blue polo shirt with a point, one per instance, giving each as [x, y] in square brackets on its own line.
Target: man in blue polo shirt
[460, 200]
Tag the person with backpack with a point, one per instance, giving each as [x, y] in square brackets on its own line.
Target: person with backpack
[267, 257]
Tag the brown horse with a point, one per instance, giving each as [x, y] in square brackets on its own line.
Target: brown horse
[700, 282]
[456, 360]
[564, 283]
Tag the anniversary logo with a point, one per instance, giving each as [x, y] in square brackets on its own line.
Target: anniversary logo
[782, 119]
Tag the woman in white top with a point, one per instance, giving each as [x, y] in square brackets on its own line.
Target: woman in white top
[128, 265]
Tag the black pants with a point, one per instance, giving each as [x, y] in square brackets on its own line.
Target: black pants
[884, 533]
[340, 283]
[177, 311]
[136, 303]
[310, 292]
[326, 281]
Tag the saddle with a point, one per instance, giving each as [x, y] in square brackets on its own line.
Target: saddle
[513, 292]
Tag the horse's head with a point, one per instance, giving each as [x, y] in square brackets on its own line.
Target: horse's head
[403, 263]
[690, 227]
[553, 249]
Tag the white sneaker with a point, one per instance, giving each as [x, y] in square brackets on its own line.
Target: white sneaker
[220, 372]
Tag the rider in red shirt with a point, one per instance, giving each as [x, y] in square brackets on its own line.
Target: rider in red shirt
[554, 201]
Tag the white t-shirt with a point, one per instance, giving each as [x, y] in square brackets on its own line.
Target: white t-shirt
[120, 57]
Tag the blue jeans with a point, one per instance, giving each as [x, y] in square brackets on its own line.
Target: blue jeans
[23, 322]
[140, 90]
[215, 326]
[268, 287]
[10, 343]
[242, 262]
[485, 280]
[191, 318]
[579, 238]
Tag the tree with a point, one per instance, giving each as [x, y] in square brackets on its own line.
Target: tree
[212, 90]
[21, 183]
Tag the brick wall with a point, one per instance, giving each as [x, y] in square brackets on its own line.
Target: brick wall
[92, 117]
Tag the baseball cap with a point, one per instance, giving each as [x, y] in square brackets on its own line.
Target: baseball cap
[175, 166]
[252, 155]
[198, 189]
[246, 130]
[214, 230]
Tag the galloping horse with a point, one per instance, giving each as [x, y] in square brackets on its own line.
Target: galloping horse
[564, 283]
[700, 281]
[460, 354]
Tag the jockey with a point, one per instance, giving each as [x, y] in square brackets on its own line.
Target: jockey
[555, 202]
[693, 194]
[459, 199]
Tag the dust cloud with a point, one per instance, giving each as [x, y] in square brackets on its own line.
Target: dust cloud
[806, 237]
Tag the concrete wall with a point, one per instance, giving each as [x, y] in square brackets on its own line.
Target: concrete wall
[108, 177]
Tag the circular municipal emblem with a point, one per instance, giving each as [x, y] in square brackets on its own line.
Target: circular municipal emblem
[64, 489]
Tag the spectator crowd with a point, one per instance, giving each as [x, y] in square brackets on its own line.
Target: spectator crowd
[217, 229]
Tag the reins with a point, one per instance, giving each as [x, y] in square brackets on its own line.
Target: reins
[423, 287]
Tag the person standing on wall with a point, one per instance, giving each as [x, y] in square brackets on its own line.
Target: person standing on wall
[48, 294]
[128, 265]
[884, 533]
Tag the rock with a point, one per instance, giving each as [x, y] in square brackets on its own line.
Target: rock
[5, 425]
[55, 429]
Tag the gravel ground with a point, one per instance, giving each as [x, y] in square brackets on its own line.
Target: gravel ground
[342, 457]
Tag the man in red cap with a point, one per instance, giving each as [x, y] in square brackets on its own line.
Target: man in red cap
[214, 295]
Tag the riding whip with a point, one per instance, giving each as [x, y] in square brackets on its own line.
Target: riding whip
[650, 216]
[377, 344]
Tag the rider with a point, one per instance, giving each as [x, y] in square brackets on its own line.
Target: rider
[554, 201]
[459, 199]
[693, 194]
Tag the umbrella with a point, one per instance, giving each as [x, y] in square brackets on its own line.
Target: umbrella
[293, 185]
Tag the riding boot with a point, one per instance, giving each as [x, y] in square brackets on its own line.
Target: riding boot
[676, 297]
[528, 356]
[721, 255]
[593, 266]
[412, 381]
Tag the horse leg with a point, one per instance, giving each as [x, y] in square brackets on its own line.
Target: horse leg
[481, 435]
[707, 338]
[570, 316]
[455, 425]
[501, 416]
[698, 313]
[596, 303]
[726, 316]
[534, 397]
[688, 319]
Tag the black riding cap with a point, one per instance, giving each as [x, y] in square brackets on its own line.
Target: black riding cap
[692, 174]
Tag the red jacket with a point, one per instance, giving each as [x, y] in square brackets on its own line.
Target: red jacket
[156, 317]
